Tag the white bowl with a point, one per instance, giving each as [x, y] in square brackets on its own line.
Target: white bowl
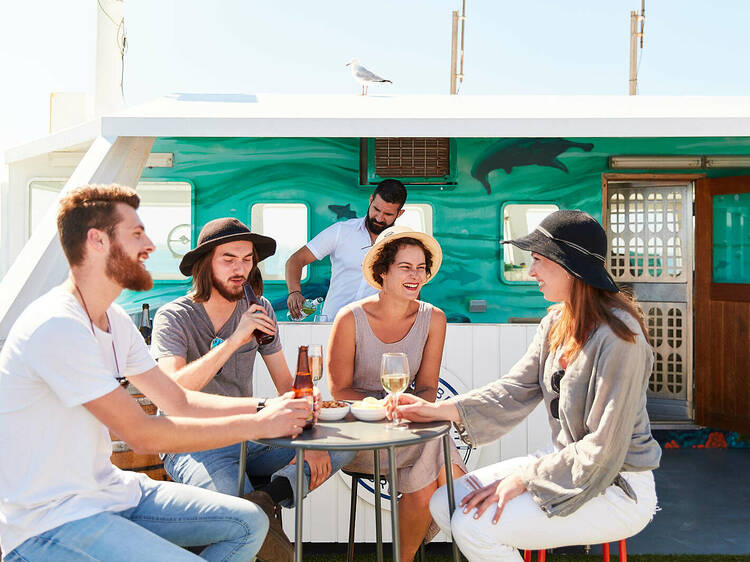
[368, 414]
[332, 414]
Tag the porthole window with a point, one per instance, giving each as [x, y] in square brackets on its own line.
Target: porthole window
[417, 216]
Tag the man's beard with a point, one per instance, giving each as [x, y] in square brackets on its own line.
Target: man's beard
[375, 227]
[226, 291]
[126, 271]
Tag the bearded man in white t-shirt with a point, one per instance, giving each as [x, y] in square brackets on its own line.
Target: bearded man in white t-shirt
[60, 496]
[347, 243]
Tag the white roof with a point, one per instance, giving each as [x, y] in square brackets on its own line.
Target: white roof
[273, 115]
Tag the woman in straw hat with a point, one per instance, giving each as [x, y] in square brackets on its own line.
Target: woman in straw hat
[589, 363]
[394, 320]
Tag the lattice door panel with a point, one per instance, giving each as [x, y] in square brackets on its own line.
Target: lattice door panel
[668, 329]
[649, 233]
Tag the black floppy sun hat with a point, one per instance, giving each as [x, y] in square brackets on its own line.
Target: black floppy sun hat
[574, 240]
[221, 231]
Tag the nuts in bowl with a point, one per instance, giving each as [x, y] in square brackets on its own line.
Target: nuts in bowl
[331, 410]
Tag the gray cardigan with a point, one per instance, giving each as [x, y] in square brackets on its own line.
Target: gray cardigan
[603, 427]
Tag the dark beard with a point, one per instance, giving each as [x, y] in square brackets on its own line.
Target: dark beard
[375, 228]
[125, 271]
[225, 291]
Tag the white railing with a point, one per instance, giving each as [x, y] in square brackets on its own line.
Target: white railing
[474, 355]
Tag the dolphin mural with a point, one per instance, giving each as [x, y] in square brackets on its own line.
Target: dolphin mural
[509, 153]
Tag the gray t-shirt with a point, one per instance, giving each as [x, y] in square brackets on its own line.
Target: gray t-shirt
[182, 328]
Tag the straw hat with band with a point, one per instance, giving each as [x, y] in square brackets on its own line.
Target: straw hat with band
[394, 233]
[221, 231]
[575, 241]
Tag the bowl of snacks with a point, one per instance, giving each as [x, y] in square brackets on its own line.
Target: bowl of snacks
[369, 409]
[331, 410]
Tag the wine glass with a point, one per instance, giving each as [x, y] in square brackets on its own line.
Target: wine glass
[394, 376]
[315, 358]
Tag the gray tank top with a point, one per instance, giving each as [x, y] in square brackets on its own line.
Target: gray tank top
[368, 349]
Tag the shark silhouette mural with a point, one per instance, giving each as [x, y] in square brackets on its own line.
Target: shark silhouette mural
[510, 153]
[343, 211]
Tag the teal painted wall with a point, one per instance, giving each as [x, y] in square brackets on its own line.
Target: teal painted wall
[230, 175]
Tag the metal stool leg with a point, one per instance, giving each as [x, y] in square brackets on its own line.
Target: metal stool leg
[352, 519]
[298, 506]
[394, 503]
[449, 487]
[241, 472]
[378, 516]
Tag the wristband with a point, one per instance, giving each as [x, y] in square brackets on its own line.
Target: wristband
[261, 404]
[292, 292]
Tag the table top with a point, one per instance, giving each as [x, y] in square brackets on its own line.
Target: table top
[351, 434]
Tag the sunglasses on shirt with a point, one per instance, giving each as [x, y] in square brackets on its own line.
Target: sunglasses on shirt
[554, 405]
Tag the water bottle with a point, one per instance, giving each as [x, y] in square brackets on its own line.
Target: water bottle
[308, 307]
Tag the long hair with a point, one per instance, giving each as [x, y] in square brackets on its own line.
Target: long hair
[203, 277]
[587, 308]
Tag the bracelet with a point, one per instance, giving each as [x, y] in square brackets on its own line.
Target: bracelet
[292, 292]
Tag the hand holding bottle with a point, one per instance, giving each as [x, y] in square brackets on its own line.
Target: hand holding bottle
[294, 303]
[254, 322]
[283, 416]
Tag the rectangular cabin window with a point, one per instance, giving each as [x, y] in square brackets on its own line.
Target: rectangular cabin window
[519, 220]
[731, 238]
[288, 224]
[417, 216]
[166, 212]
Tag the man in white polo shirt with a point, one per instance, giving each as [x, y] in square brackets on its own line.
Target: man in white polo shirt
[347, 243]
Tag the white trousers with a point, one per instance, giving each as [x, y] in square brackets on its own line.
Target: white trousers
[608, 517]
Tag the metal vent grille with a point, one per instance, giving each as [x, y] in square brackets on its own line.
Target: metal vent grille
[412, 157]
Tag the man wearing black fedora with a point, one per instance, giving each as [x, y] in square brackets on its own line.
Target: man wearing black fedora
[205, 341]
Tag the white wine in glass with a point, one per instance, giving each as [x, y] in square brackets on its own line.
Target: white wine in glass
[315, 358]
[394, 376]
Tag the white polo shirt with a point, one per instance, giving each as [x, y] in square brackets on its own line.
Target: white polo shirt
[346, 242]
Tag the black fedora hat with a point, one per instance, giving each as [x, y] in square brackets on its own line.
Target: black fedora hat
[221, 231]
[575, 241]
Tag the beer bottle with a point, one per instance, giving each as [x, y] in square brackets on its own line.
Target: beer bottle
[145, 326]
[251, 299]
[303, 384]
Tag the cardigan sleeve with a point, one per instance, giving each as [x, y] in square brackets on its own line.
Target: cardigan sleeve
[562, 481]
[489, 412]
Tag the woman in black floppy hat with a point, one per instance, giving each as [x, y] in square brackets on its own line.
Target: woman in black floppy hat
[589, 363]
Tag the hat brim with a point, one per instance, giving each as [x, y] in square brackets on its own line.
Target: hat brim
[263, 246]
[429, 242]
[586, 268]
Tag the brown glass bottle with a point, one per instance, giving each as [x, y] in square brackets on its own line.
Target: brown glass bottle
[145, 326]
[251, 299]
[303, 384]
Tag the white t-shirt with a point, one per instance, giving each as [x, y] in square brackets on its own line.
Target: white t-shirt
[346, 242]
[54, 454]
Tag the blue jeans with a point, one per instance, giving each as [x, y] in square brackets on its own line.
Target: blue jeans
[218, 469]
[168, 515]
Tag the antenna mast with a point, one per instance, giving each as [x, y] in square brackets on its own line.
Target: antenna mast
[634, 36]
[457, 75]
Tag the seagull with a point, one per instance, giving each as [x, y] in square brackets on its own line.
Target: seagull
[364, 76]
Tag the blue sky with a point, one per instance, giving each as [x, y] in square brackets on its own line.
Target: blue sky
[532, 47]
